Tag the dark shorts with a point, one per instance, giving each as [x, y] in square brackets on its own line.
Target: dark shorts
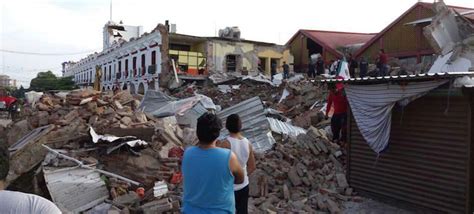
[241, 200]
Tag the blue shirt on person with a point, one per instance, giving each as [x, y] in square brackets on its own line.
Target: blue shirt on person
[208, 181]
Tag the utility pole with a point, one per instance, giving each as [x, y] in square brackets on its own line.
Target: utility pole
[110, 10]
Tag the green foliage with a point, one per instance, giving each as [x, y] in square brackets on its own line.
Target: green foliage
[46, 81]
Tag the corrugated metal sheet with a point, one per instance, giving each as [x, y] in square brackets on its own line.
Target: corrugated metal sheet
[471, 206]
[411, 77]
[281, 127]
[427, 161]
[32, 136]
[190, 117]
[154, 100]
[75, 189]
[255, 125]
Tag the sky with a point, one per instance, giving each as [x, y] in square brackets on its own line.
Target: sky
[70, 29]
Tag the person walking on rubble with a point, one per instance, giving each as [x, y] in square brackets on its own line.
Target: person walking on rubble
[273, 70]
[209, 172]
[338, 100]
[286, 70]
[18, 202]
[242, 148]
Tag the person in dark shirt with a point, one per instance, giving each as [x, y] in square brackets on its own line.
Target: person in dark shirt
[352, 65]
[320, 66]
[311, 70]
[286, 70]
[273, 70]
[363, 67]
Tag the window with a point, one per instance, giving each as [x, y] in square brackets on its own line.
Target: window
[126, 68]
[231, 63]
[120, 66]
[143, 64]
[153, 57]
[104, 75]
[110, 72]
[134, 65]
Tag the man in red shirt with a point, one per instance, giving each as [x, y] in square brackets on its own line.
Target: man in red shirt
[338, 100]
[383, 60]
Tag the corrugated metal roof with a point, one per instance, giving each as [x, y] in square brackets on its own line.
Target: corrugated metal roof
[32, 136]
[154, 100]
[255, 125]
[75, 189]
[280, 127]
[427, 76]
[331, 40]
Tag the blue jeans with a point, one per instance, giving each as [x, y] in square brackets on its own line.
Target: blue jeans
[286, 74]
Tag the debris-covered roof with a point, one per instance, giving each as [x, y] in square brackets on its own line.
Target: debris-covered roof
[331, 40]
[414, 77]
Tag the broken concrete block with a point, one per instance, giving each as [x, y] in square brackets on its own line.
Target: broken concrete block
[341, 180]
[320, 201]
[333, 207]
[286, 192]
[349, 191]
[126, 121]
[337, 164]
[43, 118]
[294, 178]
[118, 105]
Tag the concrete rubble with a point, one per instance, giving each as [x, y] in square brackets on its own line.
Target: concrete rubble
[88, 134]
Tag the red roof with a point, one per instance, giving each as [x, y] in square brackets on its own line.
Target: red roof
[330, 40]
[422, 4]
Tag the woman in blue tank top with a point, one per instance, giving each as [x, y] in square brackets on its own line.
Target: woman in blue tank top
[209, 172]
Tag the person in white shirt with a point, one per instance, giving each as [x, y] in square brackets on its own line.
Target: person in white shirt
[17, 202]
[243, 149]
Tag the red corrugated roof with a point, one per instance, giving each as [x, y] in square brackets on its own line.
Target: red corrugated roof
[330, 40]
[423, 4]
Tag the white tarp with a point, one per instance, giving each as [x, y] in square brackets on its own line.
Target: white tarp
[129, 140]
[371, 106]
[32, 97]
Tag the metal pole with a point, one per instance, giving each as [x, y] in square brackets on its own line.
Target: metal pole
[82, 165]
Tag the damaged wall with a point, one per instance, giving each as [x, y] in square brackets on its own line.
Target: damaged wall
[276, 52]
[247, 53]
[220, 49]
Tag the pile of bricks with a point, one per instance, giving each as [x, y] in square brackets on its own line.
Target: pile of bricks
[98, 110]
[306, 174]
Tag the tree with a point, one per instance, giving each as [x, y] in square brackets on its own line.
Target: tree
[46, 81]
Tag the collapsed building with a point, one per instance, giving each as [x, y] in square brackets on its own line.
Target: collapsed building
[225, 54]
[134, 61]
[403, 40]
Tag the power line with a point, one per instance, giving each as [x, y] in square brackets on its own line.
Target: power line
[45, 54]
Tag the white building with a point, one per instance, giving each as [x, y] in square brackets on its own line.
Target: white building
[130, 60]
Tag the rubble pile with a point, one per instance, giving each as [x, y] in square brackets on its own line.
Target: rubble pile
[98, 110]
[128, 174]
[302, 174]
[300, 101]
